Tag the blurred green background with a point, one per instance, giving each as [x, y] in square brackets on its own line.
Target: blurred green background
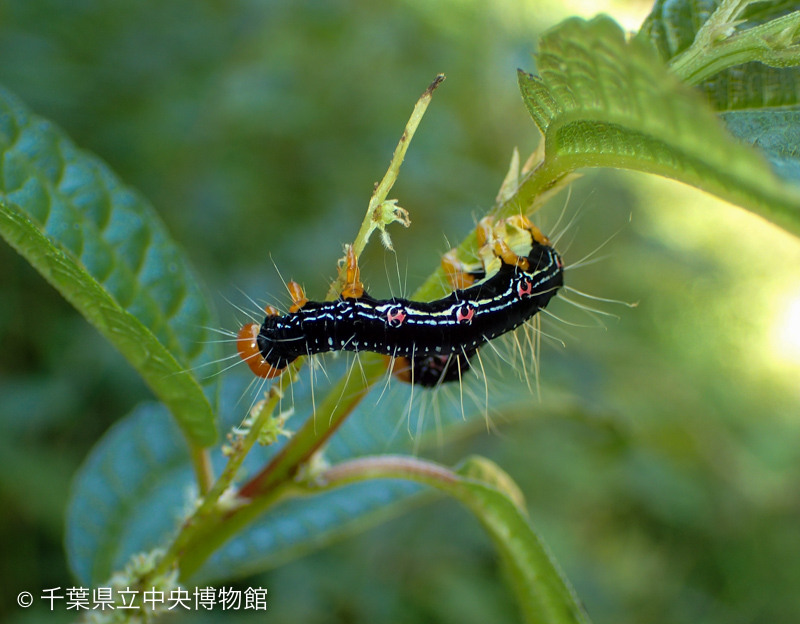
[661, 462]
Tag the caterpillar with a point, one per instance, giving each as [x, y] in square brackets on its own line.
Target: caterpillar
[431, 342]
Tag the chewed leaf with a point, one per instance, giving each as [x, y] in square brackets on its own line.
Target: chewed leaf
[104, 248]
[602, 101]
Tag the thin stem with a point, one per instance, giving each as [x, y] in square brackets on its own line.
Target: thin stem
[276, 481]
[380, 467]
[373, 219]
[382, 190]
[203, 470]
[384, 467]
[718, 45]
[212, 495]
[342, 399]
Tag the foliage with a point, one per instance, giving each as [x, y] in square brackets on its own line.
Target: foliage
[599, 100]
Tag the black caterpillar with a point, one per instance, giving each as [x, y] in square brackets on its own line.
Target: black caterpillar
[431, 341]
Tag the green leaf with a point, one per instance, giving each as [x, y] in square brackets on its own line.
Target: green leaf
[777, 134]
[124, 501]
[753, 85]
[128, 495]
[672, 26]
[132, 490]
[298, 526]
[602, 101]
[543, 592]
[104, 248]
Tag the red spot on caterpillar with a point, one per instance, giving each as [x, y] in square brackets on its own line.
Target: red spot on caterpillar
[395, 317]
[436, 349]
[464, 314]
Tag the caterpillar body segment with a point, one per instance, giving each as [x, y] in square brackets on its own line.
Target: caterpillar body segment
[247, 346]
[430, 343]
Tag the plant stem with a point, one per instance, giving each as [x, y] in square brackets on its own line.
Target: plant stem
[718, 45]
[384, 467]
[373, 219]
[382, 190]
[203, 470]
[276, 480]
[212, 495]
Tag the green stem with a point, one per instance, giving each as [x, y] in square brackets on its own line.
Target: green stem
[718, 46]
[206, 530]
[544, 594]
[276, 480]
[373, 219]
[385, 186]
[203, 471]
[210, 500]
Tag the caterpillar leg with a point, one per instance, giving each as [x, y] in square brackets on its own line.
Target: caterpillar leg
[353, 288]
[503, 251]
[433, 370]
[459, 274]
[511, 239]
[462, 275]
[247, 346]
[522, 222]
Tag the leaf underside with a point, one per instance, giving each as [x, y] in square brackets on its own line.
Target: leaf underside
[776, 133]
[602, 101]
[544, 594]
[124, 498]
